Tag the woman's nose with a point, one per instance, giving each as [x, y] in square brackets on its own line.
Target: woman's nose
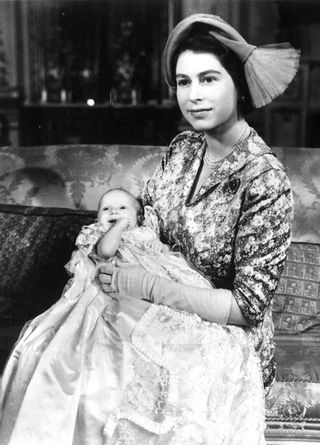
[195, 92]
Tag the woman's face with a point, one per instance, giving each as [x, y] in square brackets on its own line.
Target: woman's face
[206, 93]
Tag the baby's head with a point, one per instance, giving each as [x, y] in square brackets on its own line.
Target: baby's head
[118, 203]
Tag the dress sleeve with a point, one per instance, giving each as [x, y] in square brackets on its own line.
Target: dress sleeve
[88, 238]
[151, 220]
[263, 238]
[148, 193]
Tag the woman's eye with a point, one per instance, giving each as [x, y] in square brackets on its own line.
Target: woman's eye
[182, 82]
[209, 79]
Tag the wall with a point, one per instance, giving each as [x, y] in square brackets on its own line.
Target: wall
[258, 20]
[9, 76]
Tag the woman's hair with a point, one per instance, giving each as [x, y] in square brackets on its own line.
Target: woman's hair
[136, 201]
[200, 41]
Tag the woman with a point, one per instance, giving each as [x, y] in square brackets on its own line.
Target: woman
[221, 195]
[172, 362]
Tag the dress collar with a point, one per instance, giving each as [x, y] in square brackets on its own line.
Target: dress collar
[250, 148]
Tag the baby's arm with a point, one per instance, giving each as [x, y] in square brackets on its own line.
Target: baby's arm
[108, 245]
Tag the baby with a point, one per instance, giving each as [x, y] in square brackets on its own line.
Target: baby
[119, 211]
[126, 231]
[102, 361]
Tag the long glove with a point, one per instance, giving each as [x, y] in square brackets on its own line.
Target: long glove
[210, 304]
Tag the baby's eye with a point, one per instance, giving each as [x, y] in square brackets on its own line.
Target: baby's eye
[123, 207]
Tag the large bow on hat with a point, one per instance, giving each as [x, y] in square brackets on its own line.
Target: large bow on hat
[268, 69]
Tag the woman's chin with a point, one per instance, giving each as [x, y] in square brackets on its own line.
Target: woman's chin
[201, 126]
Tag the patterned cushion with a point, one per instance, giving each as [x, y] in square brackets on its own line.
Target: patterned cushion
[293, 404]
[35, 243]
[296, 306]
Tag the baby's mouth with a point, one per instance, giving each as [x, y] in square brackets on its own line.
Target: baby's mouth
[112, 220]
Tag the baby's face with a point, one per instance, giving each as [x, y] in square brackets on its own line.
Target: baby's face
[115, 205]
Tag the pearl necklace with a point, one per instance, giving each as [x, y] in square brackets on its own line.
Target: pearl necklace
[211, 163]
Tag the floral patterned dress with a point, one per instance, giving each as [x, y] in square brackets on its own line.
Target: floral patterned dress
[93, 370]
[236, 230]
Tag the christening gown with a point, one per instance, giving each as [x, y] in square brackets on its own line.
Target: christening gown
[95, 370]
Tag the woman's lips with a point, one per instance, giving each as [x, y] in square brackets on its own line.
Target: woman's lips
[200, 112]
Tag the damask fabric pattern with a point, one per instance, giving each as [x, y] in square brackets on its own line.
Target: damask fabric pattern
[236, 230]
[72, 176]
[303, 166]
[296, 306]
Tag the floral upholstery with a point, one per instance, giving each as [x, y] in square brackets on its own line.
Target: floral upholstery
[303, 166]
[72, 176]
[47, 193]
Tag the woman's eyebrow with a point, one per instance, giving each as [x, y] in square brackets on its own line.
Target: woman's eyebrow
[202, 73]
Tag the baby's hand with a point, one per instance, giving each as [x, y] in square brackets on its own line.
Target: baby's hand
[158, 246]
[122, 222]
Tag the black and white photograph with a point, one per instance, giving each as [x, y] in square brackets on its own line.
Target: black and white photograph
[159, 222]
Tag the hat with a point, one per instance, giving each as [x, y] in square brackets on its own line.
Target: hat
[268, 69]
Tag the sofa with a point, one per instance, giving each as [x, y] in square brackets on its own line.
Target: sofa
[47, 193]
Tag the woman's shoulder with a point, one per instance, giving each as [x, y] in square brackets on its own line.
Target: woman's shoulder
[260, 171]
[263, 158]
[185, 142]
[187, 136]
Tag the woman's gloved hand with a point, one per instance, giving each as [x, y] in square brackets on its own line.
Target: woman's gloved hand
[128, 280]
[134, 281]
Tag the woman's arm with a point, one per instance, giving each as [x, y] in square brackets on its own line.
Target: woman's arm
[263, 238]
[216, 305]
